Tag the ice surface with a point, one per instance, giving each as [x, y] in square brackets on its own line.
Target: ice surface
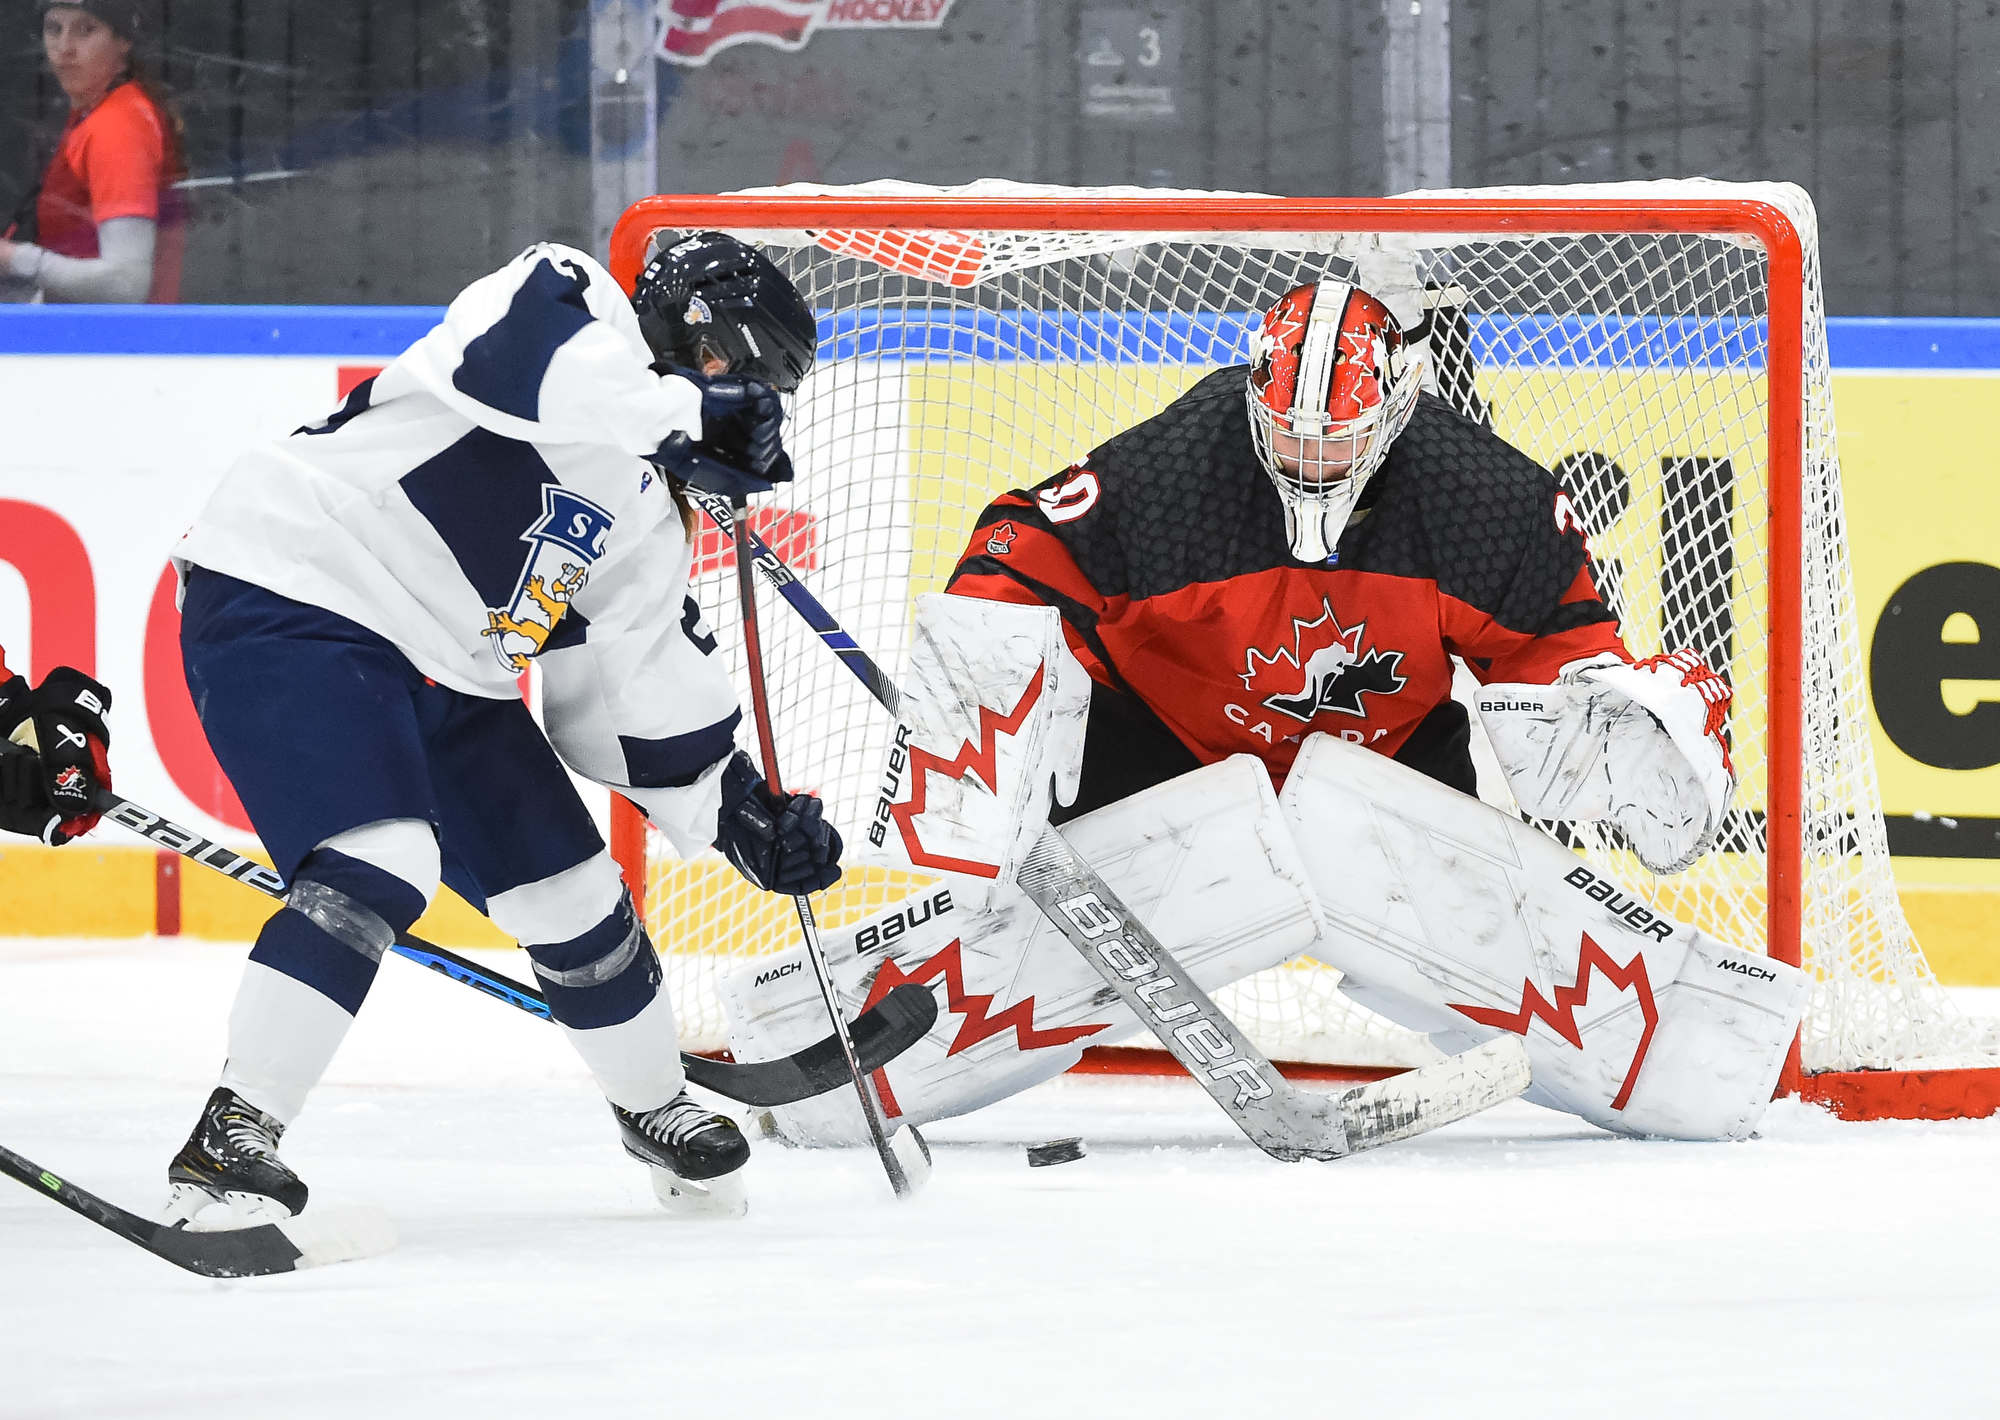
[1519, 1264]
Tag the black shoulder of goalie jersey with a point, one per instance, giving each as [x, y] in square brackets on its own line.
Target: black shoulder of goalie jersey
[1457, 505]
[1181, 498]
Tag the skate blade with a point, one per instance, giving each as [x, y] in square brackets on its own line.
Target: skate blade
[196, 1210]
[725, 1197]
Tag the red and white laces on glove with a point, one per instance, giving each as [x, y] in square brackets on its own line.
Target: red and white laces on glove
[1697, 675]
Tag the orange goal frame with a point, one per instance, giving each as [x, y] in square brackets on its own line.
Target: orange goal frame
[1853, 1094]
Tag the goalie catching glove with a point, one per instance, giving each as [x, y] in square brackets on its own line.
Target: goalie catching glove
[1643, 747]
[55, 755]
[780, 842]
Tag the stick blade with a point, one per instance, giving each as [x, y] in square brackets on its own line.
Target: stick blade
[1418, 1101]
[325, 1236]
[881, 1033]
[319, 1239]
[898, 1021]
[912, 1157]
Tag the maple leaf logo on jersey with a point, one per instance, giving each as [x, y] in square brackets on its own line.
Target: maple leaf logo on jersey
[1000, 539]
[1327, 667]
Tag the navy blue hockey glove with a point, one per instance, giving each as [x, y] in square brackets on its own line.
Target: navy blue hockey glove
[781, 843]
[742, 448]
[742, 422]
[693, 465]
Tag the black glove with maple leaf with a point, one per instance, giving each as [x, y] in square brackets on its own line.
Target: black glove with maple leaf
[54, 754]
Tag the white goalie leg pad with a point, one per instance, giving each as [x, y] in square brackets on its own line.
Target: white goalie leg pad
[1641, 747]
[993, 714]
[1204, 859]
[1451, 917]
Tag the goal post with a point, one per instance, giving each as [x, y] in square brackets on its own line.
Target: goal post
[1660, 346]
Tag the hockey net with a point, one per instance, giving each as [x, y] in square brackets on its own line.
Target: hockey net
[1661, 347]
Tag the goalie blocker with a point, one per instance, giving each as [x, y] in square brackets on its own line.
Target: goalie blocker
[1444, 914]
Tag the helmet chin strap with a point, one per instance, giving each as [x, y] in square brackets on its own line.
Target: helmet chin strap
[1313, 524]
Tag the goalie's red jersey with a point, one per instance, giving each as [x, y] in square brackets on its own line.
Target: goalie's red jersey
[1165, 553]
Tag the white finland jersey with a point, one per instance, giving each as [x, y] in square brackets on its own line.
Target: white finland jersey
[483, 501]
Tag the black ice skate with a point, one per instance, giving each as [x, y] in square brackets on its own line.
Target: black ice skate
[695, 1155]
[232, 1159]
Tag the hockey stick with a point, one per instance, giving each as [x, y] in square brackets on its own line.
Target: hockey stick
[905, 1157]
[879, 1035]
[1284, 1121]
[326, 1236]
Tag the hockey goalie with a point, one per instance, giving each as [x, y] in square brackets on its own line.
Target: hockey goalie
[1219, 652]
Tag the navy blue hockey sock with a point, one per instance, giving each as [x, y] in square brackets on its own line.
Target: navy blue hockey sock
[604, 977]
[341, 916]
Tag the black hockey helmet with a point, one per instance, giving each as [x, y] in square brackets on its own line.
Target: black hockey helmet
[710, 293]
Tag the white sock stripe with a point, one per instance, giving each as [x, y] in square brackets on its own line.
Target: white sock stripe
[282, 1035]
[637, 1063]
[562, 907]
[404, 848]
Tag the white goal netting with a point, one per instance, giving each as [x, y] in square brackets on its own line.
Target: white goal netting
[956, 362]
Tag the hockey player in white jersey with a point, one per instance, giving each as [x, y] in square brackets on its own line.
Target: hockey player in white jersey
[359, 602]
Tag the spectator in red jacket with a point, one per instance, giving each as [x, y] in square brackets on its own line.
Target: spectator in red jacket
[105, 223]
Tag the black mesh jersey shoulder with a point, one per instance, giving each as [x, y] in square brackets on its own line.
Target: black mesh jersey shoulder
[1457, 505]
[1183, 500]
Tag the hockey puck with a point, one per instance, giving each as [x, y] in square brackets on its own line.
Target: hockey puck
[1056, 1151]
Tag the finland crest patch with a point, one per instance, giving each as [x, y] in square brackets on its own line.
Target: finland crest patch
[562, 546]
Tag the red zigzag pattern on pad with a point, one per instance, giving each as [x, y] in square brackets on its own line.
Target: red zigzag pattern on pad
[971, 759]
[1560, 1016]
[948, 964]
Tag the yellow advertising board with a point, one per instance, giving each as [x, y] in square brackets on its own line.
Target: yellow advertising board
[1919, 468]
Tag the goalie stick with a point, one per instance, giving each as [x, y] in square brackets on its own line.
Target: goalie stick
[1279, 1118]
[881, 1033]
[905, 1157]
[324, 1237]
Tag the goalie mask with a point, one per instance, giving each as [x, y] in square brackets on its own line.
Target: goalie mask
[709, 294]
[1332, 383]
